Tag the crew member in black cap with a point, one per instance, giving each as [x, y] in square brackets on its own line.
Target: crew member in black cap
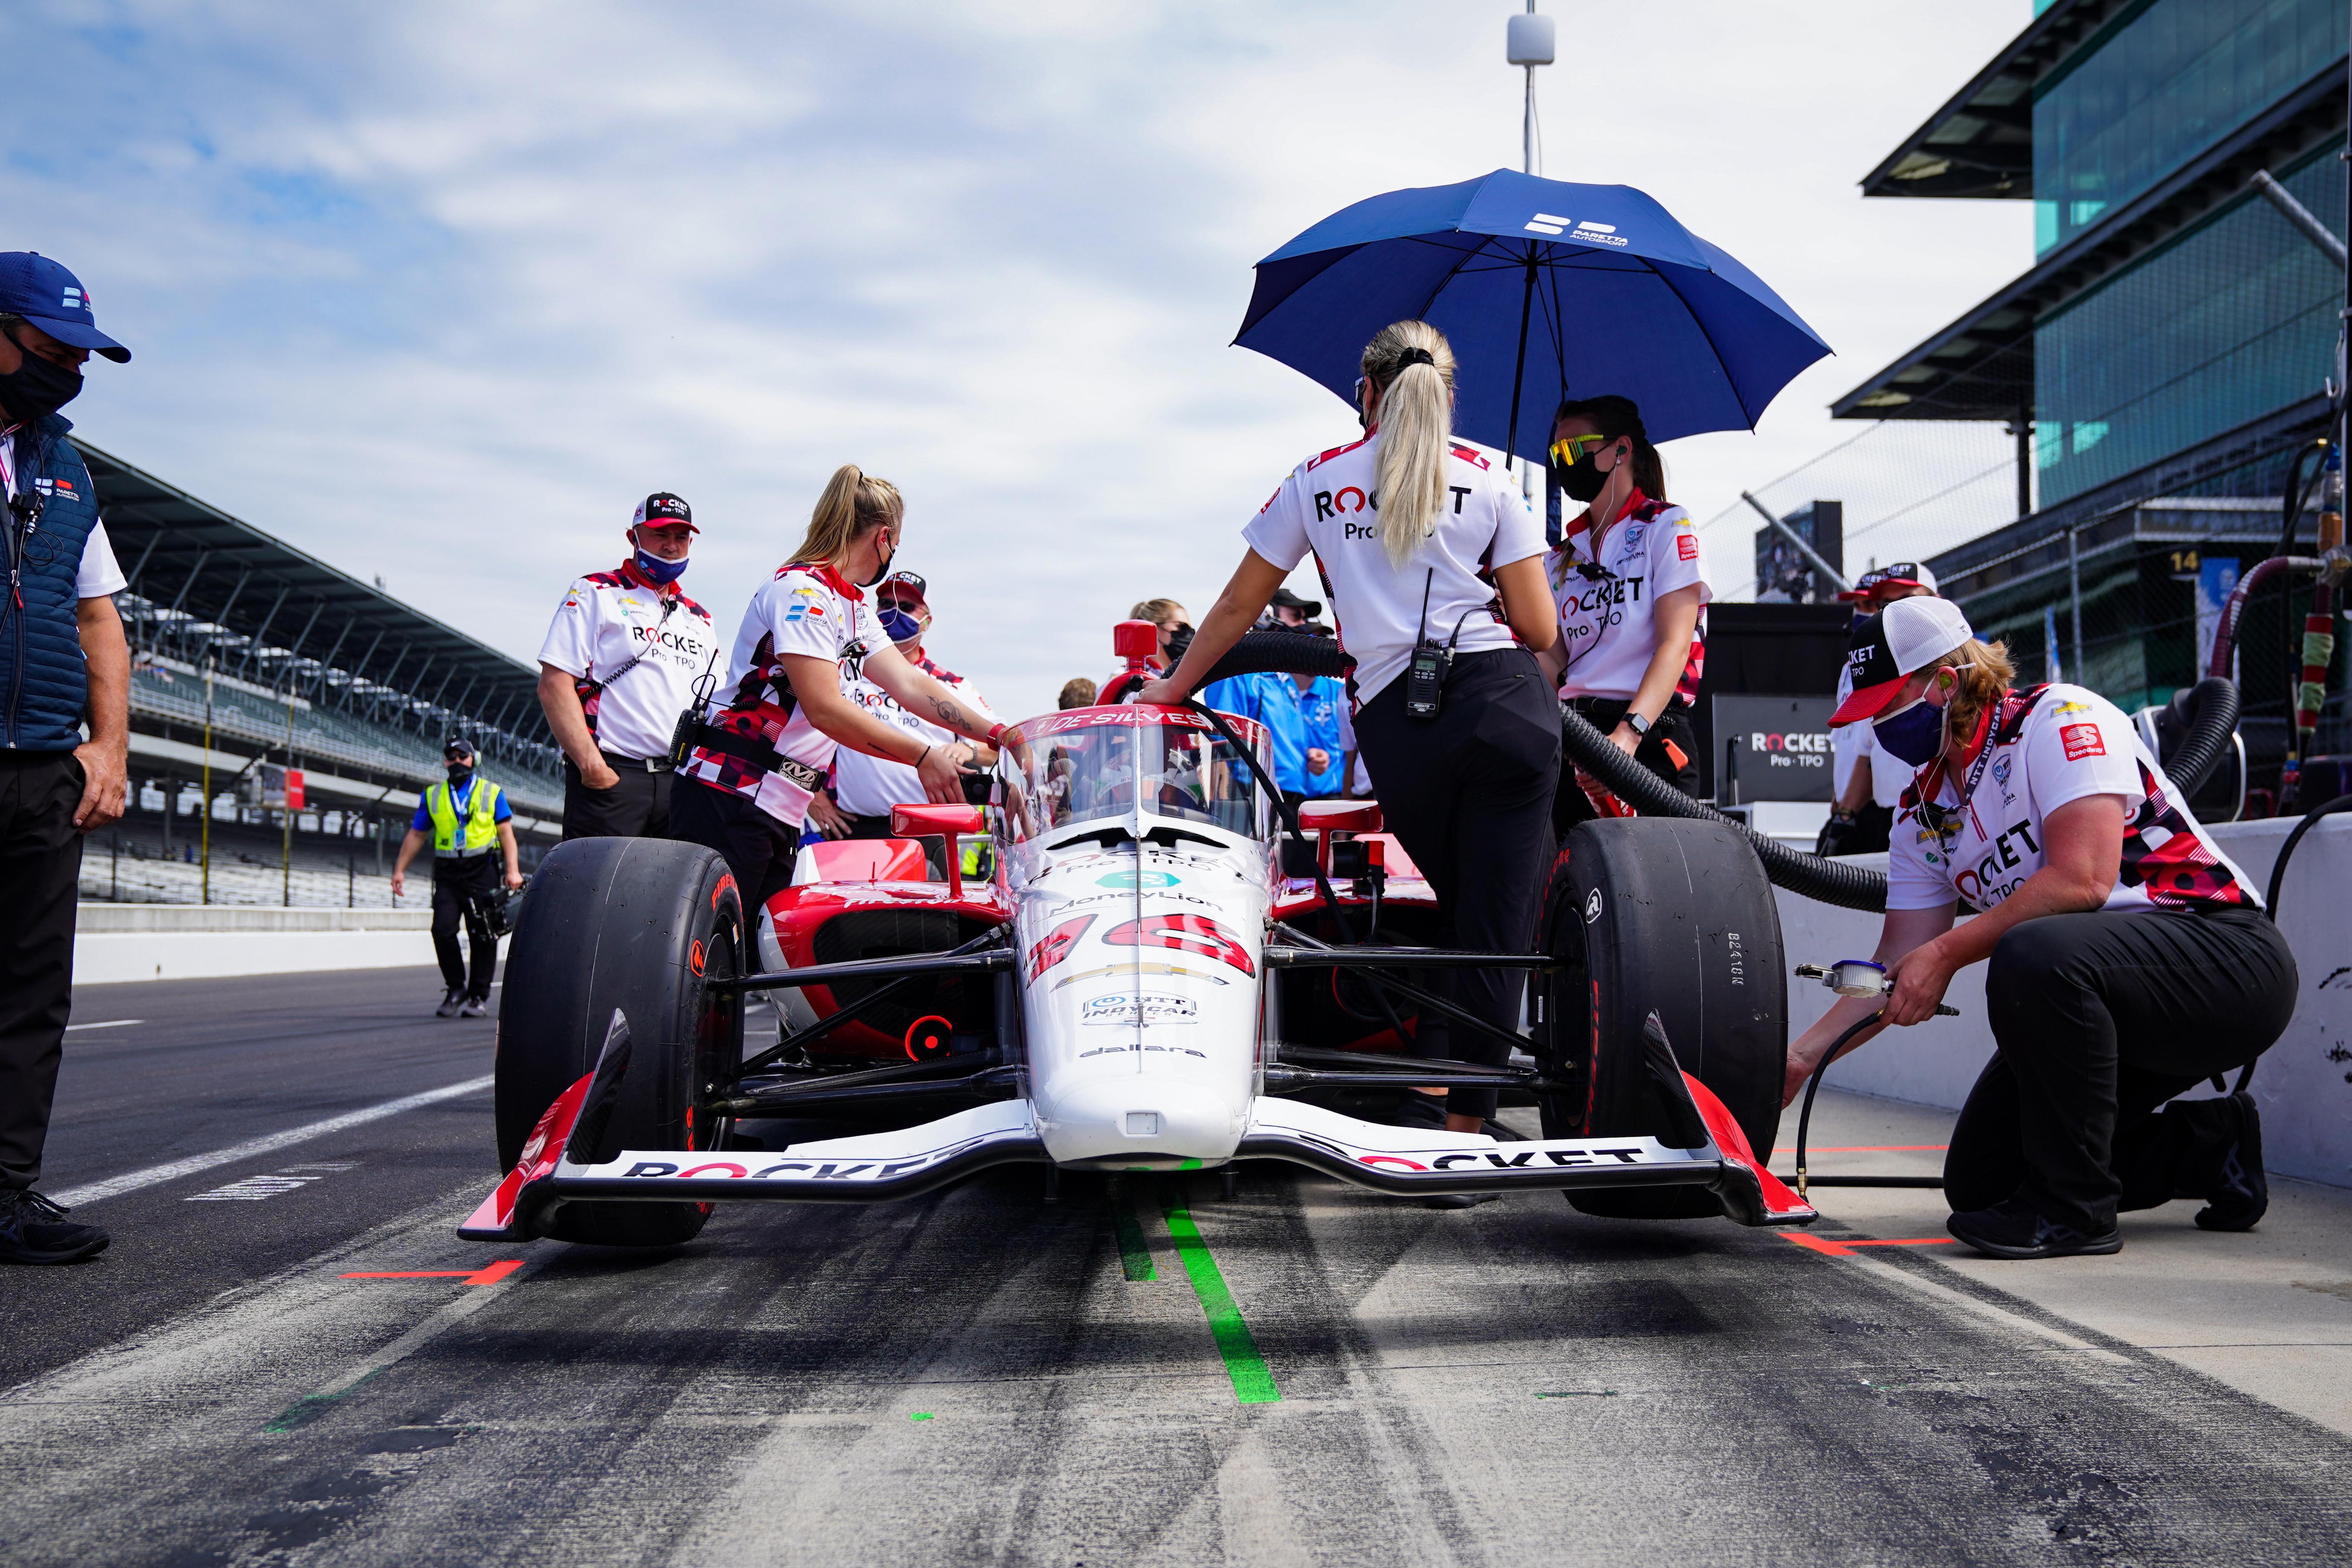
[617, 669]
[63, 664]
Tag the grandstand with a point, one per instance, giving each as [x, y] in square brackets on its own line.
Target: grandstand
[251, 657]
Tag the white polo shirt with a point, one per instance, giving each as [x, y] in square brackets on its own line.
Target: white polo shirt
[98, 574]
[870, 787]
[2073, 743]
[606, 620]
[1328, 506]
[1608, 607]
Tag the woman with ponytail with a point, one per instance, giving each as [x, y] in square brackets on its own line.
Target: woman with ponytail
[1631, 588]
[764, 752]
[1422, 541]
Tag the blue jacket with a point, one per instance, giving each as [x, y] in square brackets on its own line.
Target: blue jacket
[1294, 720]
[44, 679]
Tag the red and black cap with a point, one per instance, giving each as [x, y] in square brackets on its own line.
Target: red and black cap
[1890, 647]
[663, 509]
[1902, 575]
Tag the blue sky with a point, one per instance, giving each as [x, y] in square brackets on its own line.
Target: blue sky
[436, 291]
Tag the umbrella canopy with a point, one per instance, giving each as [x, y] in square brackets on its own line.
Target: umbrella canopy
[1546, 290]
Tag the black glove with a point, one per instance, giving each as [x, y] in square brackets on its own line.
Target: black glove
[1837, 834]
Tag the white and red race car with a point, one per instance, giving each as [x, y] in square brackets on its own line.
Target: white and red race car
[1150, 977]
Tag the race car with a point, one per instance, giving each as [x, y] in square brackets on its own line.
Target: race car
[1155, 975]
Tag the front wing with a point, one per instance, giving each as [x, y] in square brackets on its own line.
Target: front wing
[898, 1165]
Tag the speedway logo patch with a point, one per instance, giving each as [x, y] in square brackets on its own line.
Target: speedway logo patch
[1149, 1008]
[2083, 741]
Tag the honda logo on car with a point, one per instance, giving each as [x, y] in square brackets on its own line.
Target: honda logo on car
[1790, 747]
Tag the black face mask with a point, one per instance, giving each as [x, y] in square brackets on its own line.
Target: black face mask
[882, 570]
[459, 773]
[36, 388]
[1581, 481]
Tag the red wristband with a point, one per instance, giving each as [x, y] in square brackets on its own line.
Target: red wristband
[995, 734]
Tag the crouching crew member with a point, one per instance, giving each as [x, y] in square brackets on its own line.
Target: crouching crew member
[1466, 749]
[1866, 787]
[753, 766]
[617, 669]
[466, 817]
[2130, 960]
[1631, 584]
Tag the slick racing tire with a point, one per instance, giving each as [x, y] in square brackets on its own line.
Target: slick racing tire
[642, 925]
[1659, 914]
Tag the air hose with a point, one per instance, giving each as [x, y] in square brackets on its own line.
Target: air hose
[2213, 704]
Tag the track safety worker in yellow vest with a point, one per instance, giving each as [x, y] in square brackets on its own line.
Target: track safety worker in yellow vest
[465, 817]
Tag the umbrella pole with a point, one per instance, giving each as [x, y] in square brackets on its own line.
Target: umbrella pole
[1520, 372]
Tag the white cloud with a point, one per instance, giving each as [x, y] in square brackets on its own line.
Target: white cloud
[438, 290]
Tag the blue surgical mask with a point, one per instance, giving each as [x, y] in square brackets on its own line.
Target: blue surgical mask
[659, 569]
[1912, 735]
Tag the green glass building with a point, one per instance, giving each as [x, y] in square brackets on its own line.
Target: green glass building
[2167, 352]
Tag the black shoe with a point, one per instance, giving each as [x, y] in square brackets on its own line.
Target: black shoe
[1500, 1133]
[450, 1002]
[2237, 1203]
[2016, 1229]
[1459, 1199]
[34, 1230]
[475, 1007]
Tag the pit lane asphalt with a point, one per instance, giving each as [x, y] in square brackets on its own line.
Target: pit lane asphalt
[974, 1376]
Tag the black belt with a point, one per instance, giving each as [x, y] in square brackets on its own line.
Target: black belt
[630, 764]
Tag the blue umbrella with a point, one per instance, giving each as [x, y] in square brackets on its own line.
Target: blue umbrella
[1546, 290]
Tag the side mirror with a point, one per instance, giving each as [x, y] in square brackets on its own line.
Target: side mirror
[1340, 815]
[949, 821]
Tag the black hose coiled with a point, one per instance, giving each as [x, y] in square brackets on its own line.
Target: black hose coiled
[1811, 875]
[2214, 702]
[1281, 653]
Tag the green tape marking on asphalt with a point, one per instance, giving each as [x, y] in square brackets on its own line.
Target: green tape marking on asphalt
[1134, 1252]
[1252, 1382]
[311, 1406]
[920, 1415]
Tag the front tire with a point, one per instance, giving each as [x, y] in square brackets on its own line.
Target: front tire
[642, 925]
[1659, 914]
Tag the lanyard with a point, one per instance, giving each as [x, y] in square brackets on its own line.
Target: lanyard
[2012, 718]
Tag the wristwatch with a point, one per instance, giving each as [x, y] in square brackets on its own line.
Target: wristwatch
[1640, 725]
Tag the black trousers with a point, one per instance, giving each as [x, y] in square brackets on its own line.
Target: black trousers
[1571, 806]
[758, 847]
[2101, 1018]
[40, 864]
[1469, 795]
[636, 807]
[460, 887]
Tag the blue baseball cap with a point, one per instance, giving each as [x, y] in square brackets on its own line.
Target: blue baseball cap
[52, 298]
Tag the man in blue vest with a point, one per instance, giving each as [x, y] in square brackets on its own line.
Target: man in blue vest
[464, 819]
[63, 664]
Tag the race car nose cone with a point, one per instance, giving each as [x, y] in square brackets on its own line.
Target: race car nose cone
[1140, 1123]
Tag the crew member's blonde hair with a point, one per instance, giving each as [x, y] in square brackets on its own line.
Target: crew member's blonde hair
[1416, 425]
[1984, 673]
[1156, 610]
[853, 502]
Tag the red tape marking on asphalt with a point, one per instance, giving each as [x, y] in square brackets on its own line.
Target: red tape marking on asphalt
[490, 1275]
[1883, 1149]
[1846, 1248]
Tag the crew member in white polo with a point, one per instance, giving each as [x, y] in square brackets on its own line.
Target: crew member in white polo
[618, 666]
